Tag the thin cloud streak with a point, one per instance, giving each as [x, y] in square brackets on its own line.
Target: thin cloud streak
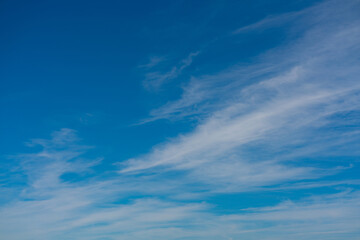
[155, 79]
[153, 61]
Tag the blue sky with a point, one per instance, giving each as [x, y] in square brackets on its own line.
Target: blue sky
[180, 120]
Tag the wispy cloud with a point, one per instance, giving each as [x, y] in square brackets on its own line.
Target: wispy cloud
[280, 105]
[153, 61]
[327, 32]
[154, 79]
[50, 206]
[314, 14]
[319, 217]
[270, 21]
[258, 126]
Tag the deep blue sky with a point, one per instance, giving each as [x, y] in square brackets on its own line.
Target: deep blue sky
[179, 119]
[63, 59]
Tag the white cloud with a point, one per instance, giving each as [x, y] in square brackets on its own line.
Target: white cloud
[147, 207]
[279, 106]
[155, 79]
[153, 61]
[325, 34]
[256, 125]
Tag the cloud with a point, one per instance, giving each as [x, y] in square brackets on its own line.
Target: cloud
[329, 216]
[286, 105]
[330, 34]
[153, 61]
[272, 126]
[51, 207]
[142, 207]
[270, 21]
[155, 79]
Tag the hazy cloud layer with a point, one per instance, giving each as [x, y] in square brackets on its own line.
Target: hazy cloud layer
[51, 207]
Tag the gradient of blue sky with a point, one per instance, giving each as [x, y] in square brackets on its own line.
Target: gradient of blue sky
[180, 120]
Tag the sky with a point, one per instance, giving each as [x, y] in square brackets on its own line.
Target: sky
[180, 120]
